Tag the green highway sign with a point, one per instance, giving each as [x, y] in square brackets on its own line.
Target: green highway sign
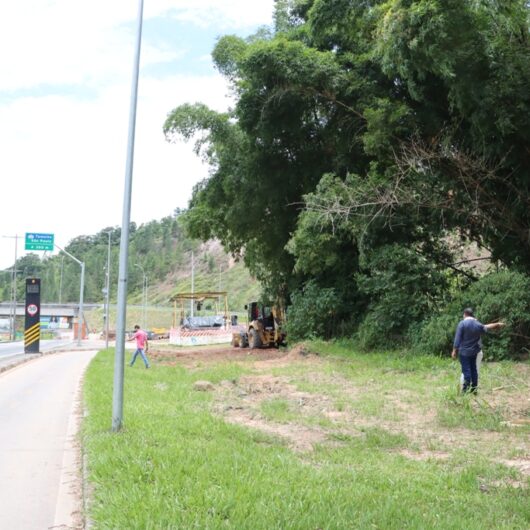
[39, 241]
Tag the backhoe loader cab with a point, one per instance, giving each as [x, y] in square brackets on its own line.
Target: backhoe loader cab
[264, 327]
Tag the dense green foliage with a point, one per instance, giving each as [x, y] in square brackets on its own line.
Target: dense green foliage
[364, 125]
[402, 287]
[498, 296]
[312, 312]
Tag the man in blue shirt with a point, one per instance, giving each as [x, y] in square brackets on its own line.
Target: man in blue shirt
[468, 344]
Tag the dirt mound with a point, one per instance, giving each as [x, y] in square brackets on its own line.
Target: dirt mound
[203, 386]
[299, 351]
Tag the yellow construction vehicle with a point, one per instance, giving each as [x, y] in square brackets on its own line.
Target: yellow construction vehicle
[264, 327]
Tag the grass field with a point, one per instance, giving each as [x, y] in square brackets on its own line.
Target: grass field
[318, 438]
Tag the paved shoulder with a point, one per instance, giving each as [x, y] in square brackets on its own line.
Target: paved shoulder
[36, 408]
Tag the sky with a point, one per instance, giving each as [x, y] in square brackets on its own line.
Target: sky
[65, 84]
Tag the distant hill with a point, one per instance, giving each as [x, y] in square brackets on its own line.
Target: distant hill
[160, 248]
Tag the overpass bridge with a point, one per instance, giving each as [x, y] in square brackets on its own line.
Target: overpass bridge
[47, 310]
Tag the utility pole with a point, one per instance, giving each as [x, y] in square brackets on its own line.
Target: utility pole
[15, 291]
[219, 298]
[107, 295]
[145, 303]
[13, 310]
[81, 313]
[119, 359]
[61, 281]
[192, 281]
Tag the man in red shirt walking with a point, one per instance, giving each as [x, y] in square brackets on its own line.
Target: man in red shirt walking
[142, 345]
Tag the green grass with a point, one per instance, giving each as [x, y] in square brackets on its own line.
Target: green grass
[378, 438]
[457, 410]
[279, 410]
[177, 465]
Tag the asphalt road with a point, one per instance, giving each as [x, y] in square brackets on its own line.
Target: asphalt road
[37, 452]
[8, 349]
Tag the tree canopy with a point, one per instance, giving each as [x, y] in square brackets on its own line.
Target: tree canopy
[359, 125]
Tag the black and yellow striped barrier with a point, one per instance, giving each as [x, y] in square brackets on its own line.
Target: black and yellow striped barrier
[32, 336]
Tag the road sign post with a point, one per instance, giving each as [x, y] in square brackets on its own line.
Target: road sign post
[32, 314]
[36, 241]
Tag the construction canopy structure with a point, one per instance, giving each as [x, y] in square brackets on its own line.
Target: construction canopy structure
[200, 330]
[183, 301]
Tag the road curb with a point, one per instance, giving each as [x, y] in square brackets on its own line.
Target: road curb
[24, 358]
[85, 484]
[69, 506]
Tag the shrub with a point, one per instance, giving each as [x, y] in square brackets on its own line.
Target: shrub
[497, 296]
[312, 312]
[402, 286]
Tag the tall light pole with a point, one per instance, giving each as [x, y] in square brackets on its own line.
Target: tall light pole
[145, 302]
[13, 318]
[61, 281]
[80, 316]
[107, 295]
[119, 359]
[15, 291]
[144, 296]
[219, 298]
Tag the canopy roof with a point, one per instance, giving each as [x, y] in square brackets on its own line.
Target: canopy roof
[199, 295]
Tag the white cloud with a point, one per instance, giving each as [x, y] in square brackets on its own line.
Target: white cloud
[74, 42]
[223, 14]
[66, 43]
[62, 165]
[71, 179]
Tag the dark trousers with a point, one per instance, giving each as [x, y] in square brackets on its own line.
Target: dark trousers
[469, 369]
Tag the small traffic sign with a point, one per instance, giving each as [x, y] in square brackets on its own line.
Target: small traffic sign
[32, 310]
[36, 241]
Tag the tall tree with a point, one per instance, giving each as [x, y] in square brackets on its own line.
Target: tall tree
[395, 121]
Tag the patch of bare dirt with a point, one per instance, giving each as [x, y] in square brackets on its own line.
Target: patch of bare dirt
[262, 359]
[251, 391]
[522, 465]
[240, 403]
[298, 437]
[197, 355]
[512, 483]
[323, 404]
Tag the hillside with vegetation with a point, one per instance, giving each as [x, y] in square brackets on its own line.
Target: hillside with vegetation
[161, 248]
